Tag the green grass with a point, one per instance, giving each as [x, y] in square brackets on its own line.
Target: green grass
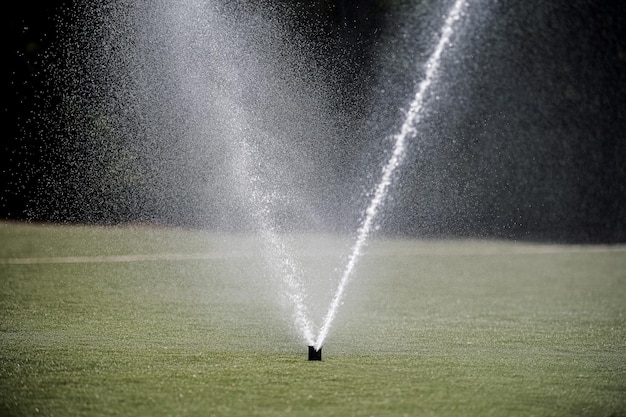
[440, 328]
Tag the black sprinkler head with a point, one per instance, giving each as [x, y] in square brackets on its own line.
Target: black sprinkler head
[315, 355]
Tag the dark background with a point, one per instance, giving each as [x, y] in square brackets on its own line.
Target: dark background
[542, 153]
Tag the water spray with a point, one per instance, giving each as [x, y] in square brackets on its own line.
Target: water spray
[183, 60]
[276, 250]
[407, 131]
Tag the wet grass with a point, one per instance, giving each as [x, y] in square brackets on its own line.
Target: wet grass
[459, 328]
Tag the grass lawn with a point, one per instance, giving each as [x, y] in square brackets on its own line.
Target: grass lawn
[159, 322]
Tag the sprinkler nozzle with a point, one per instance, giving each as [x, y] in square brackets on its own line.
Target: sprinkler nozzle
[315, 355]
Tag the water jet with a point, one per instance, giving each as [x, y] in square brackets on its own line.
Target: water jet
[407, 131]
[227, 116]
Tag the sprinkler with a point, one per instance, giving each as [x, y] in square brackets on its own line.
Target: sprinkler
[315, 355]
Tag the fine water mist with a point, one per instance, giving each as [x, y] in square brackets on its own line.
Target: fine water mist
[248, 118]
[156, 102]
[214, 112]
[226, 114]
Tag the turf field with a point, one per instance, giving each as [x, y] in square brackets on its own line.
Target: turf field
[158, 322]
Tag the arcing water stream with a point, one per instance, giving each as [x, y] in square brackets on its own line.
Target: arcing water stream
[407, 131]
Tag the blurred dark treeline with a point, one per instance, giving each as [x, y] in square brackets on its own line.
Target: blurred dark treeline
[531, 145]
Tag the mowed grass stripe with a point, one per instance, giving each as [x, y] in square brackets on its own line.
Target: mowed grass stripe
[115, 258]
[488, 251]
